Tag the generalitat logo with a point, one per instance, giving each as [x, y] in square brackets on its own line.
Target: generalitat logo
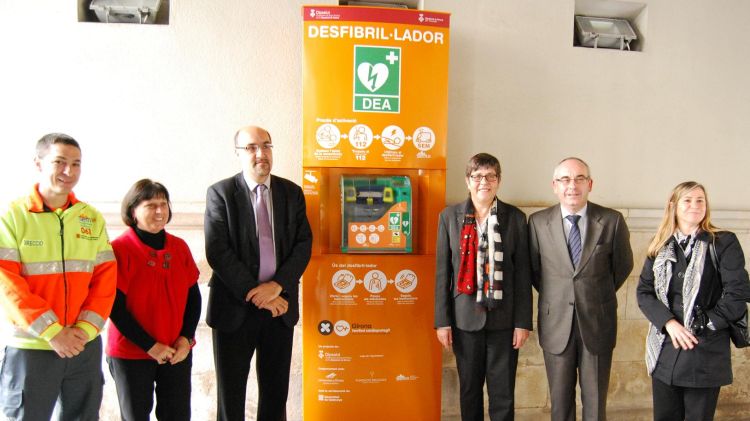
[377, 79]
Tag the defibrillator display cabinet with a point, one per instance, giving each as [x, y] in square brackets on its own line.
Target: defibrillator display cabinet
[374, 127]
[376, 214]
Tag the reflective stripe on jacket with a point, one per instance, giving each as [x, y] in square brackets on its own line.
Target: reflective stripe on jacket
[56, 269]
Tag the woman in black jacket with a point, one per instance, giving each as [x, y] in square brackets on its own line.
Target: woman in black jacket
[690, 306]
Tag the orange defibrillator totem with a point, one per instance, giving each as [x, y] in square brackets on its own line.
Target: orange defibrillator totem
[375, 119]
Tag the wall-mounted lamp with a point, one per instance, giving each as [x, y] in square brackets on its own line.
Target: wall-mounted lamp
[126, 11]
[604, 32]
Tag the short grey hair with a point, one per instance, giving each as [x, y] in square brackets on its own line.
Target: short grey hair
[573, 158]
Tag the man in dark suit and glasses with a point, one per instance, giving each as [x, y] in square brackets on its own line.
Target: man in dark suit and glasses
[258, 243]
[580, 257]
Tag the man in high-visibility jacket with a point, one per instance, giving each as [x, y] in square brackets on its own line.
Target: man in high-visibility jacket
[57, 284]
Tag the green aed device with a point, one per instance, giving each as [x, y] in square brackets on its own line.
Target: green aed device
[376, 214]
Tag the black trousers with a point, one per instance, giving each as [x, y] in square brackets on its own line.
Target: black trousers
[232, 354]
[137, 380]
[675, 403]
[486, 355]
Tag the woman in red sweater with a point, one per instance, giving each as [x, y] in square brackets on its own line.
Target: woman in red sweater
[156, 310]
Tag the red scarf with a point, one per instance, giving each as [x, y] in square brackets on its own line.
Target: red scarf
[486, 251]
[467, 269]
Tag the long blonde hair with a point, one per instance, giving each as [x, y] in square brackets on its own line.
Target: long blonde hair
[669, 220]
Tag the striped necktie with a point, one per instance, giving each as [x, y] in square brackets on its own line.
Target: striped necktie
[574, 239]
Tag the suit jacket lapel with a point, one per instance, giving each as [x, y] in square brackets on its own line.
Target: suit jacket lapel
[502, 220]
[557, 237]
[594, 229]
[460, 213]
[279, 215]
[245, 212]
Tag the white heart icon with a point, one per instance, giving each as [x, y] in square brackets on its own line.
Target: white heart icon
[372, 76]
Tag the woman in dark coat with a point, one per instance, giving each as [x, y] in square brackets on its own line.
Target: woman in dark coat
[690, 304]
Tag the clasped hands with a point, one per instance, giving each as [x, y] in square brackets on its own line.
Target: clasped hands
[174, 354]
[69, 342]
[266, 296]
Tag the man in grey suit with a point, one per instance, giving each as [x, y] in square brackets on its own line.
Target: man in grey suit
[580, 257]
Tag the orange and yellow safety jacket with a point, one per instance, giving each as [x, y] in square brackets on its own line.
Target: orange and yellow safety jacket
[57, 269]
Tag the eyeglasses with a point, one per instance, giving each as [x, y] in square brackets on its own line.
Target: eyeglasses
[578, 180]
[253, 148]
[477, 178]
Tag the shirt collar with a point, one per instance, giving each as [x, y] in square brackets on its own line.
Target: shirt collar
[251, 184]
[581, 212]
[698, 234]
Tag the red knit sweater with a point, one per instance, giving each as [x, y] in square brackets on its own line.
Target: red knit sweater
[156, 283]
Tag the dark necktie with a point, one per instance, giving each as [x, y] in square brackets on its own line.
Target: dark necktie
[687, 249]
[265, 236]
[684, 243]
[574, 239]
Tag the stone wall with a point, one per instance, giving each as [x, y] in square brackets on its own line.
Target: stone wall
[629, 391]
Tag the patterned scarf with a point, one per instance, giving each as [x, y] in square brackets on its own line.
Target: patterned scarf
[662, 269]
[476, 266]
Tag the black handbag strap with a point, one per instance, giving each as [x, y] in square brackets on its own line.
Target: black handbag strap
[715, 262]
[714, 257]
